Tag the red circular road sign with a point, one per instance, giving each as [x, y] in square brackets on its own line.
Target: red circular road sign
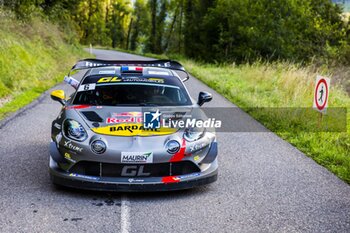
[321, 107]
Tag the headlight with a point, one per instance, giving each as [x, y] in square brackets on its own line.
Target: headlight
[193, 134]
[74, 130]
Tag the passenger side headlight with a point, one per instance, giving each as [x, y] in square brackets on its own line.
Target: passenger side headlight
[74, 130]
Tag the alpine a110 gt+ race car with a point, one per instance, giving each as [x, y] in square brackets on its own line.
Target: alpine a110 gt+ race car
[131, 126]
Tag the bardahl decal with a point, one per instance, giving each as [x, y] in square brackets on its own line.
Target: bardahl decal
[132, 130]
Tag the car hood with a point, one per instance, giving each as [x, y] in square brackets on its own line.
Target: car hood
[129, 121]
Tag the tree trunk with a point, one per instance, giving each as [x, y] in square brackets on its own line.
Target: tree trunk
[171, 29]
[128, 35]
[153, 26]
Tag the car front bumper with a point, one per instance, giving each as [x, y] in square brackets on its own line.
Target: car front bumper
[135, 184]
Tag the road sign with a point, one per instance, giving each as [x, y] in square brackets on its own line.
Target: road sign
[321, 93]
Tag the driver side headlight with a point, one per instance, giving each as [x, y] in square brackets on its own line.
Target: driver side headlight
[74, 130]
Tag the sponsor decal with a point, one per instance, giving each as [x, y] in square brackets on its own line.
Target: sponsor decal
[132, 180]
[58, 126]
[134, 170]
[176, 179]
[130, 79]
[152, 120]
[188, 176]
[68, 157]
[87, 87]
[71, 81]
[198, 146]
[125, 117]
[196, 158]
[69, 145]
[84, 176]
[106, 72]
[158, 72]
[144, 80]
[137, 157]
[109, 79]
[157, 80]
[131, 130]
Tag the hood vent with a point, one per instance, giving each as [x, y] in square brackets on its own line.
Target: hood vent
[92, 116]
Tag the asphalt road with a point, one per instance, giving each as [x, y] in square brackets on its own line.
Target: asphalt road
[264, 185]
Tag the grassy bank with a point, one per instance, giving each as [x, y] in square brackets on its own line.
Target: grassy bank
[33, 58]
[284, 86]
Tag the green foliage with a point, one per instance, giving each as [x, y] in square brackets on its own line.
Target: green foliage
[32, 59]
[271, 29]
[139, 26]
[220, 30]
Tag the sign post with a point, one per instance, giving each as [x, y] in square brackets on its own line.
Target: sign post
[321, 95]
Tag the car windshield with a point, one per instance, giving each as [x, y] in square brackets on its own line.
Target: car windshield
[132, 94]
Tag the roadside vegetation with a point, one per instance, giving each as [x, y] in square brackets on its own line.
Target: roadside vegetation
[281, 85]
[34, 56]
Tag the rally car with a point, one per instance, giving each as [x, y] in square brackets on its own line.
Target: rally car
[131, 126]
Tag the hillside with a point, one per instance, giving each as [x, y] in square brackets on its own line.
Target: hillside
[34, 57]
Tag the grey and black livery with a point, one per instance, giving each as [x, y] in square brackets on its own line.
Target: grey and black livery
[100, 140]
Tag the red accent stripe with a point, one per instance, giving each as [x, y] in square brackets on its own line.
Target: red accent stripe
[138, 68]
[180, 154]
[170, 179]
[78, 107]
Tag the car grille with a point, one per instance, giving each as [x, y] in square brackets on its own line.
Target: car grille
[151, 170]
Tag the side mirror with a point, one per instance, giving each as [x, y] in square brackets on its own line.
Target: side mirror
[204, 97]
[59, 96]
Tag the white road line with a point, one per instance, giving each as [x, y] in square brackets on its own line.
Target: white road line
[125, 215]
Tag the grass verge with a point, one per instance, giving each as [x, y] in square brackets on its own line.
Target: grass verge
[33, 57]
